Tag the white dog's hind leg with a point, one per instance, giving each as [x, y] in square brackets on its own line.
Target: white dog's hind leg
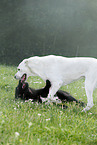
[89, 87]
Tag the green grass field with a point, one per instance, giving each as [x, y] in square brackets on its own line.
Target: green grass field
[27, 123]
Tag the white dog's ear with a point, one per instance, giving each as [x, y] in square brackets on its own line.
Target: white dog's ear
[26, 61]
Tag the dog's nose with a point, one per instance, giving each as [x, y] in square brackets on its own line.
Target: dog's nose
[15, 77]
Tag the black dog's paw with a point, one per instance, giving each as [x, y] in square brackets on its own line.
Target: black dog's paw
[82, 104]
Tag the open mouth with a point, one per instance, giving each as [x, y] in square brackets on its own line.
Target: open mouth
[23, 77]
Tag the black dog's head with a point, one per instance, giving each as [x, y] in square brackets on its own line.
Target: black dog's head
[21, 89]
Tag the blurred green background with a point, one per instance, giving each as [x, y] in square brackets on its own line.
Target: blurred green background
[42, 27]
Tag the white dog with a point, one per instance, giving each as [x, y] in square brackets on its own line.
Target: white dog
[61, 71]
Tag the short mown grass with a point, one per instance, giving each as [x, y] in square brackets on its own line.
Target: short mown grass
[27, 123]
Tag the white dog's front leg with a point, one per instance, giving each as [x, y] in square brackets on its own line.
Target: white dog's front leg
[54, 88]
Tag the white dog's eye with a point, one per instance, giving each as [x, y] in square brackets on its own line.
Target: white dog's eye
[18, 69]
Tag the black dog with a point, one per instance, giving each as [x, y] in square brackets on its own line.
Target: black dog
[24, 92]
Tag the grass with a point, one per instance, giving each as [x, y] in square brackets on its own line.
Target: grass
[27, 123]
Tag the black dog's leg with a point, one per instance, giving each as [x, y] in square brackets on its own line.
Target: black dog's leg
[63, 95]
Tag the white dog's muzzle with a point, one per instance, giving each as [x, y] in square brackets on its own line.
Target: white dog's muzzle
[18, 77]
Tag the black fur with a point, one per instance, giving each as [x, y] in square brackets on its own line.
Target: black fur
[24, 92]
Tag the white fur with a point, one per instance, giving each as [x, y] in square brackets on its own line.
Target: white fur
[62, 71]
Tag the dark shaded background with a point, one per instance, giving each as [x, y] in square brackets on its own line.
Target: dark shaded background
[42, 27]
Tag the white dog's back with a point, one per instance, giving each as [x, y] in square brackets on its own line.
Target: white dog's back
[58, 67]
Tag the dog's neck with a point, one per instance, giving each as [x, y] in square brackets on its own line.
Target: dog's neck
[31, 72]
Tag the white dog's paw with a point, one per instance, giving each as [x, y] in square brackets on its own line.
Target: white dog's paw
[87, 108]
[49, 100]
[54, 100]
[43, 99]
[46, 100]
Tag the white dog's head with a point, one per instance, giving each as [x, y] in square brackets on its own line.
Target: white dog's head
[23, 69]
